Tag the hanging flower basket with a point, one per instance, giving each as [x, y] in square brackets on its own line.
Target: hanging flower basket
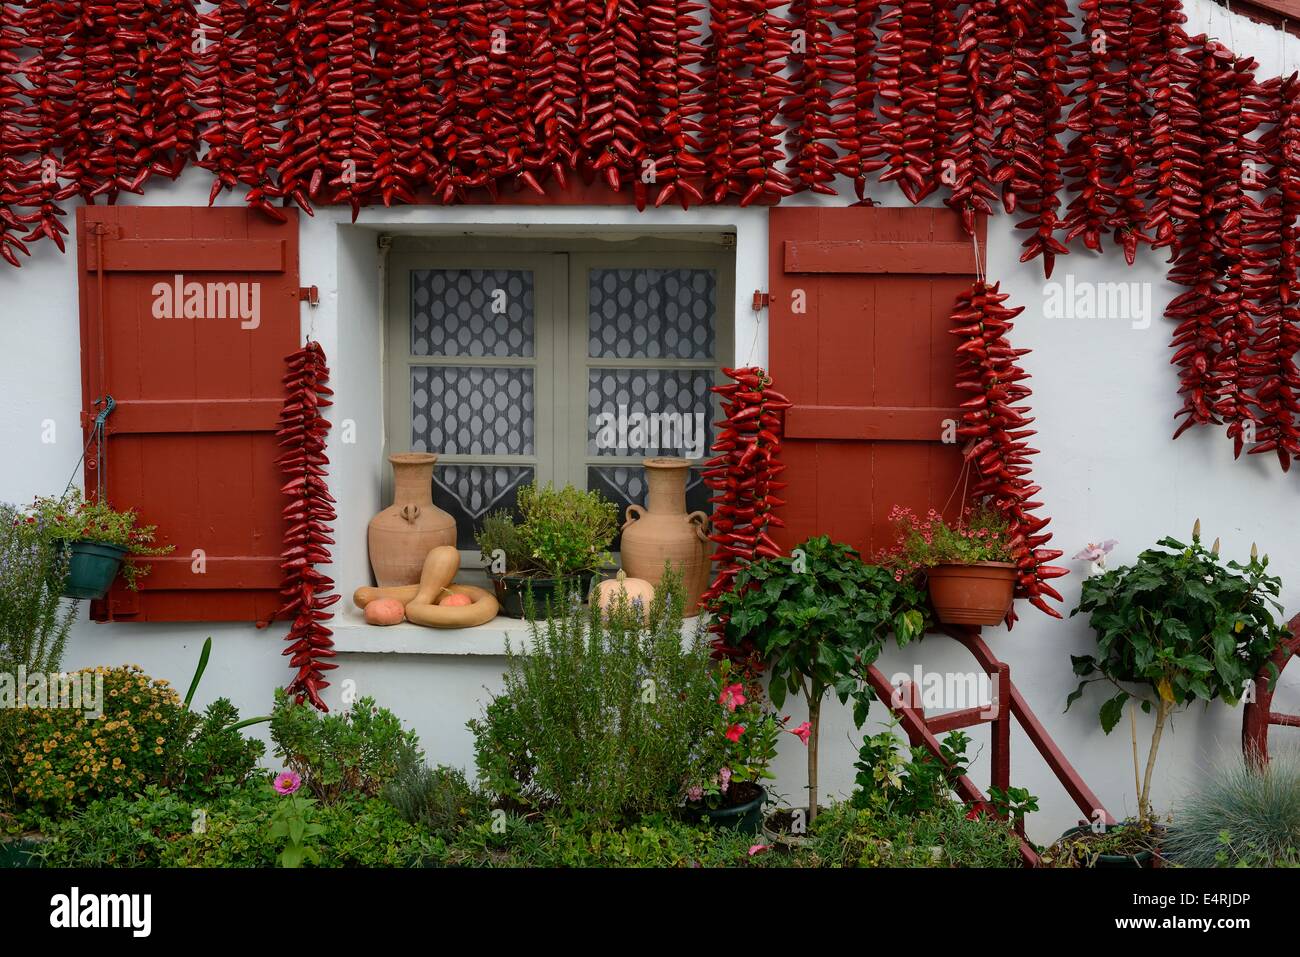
[975, 594]
[92, 568]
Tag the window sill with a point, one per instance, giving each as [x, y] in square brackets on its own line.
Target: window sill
[352, 636]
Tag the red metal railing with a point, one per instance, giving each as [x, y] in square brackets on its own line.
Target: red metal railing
[1008, 704]
[1259, 714]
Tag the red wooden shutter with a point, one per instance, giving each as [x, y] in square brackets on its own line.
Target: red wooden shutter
[869, 365]
[191, 445]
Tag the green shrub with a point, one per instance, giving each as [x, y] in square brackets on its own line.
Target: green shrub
[65, 759]
[944, 836]
[216, 758]
[439, 799]
[560, 532]
[506, 767]
[160, 829]
[1240, 816]
[605, 714]
[34, 621]
[1177, 626]
[355, 752]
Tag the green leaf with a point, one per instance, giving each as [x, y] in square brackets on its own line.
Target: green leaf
[1112, 711]
[198, 672]
[776, 691]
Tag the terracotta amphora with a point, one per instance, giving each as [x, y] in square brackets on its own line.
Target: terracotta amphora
[664, 532]
[402, 535]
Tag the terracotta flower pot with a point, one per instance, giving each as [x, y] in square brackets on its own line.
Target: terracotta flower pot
[978, 594]
[402, 535]
[664, 532]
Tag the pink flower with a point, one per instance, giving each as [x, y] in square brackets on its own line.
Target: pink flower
[803, 732]
[734, 732]
[757, 849]
[1096, 552]
[695, 793]
[724, 779]
[732, 697]
[287, 782]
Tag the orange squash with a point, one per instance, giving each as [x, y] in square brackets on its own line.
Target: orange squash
[635, 589]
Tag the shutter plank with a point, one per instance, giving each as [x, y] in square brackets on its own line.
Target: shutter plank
[189, 255]
[857, 257]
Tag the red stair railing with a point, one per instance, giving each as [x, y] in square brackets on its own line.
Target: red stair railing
[905, 704]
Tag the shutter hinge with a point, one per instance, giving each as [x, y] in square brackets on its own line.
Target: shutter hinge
[309, 295]
[761, 300]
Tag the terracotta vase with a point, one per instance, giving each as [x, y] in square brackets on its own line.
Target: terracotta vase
[978, 594]
[402, 535]
[663, 532]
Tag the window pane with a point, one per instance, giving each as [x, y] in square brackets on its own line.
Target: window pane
[468, 492]
[472, 312]
[465, 410]
[651, 313]
[625, 485]
[649, 412]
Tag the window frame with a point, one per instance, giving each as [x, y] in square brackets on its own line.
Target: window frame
[560, 362]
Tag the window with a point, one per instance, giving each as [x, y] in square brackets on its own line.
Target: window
[560, 362]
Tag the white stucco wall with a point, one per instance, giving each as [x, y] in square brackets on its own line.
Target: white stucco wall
[1104, 397]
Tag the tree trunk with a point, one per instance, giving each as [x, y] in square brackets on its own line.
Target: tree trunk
[1163, 708]
[814, 721]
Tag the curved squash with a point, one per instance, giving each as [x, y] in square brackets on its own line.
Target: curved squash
[483, 609]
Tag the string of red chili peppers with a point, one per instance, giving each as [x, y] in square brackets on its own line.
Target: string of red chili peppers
[1275, 226]
[744, 474]
[995, 424]
[672, 124]
[307, 517]
[856, 124]
[15, 176]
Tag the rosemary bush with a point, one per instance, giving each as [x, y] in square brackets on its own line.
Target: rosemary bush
[34, 621]
[1240, 816]
[612, 712]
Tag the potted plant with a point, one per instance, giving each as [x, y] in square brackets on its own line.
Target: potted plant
[734, 756]
[98, 541]
[561, 539]
[1176, 626]
[968, 566]
[818, 618]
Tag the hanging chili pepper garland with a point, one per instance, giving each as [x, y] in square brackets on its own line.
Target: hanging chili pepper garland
[856, 123]
[914, 41]
[748, 48]
[308, 514]
[1275, 225]
[672, 123]
[1212, 323]
[1164, 173]
[975, 90]
[1235, 163]
[235, 84]
[812, 160]
[744, 474]
[15, 175]
[1032, 175]
[995, 424]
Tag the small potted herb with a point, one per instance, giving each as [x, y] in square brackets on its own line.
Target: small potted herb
[98, 540]
[967, 566]
[733, 758]
[555, 548]
[1178, 625]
